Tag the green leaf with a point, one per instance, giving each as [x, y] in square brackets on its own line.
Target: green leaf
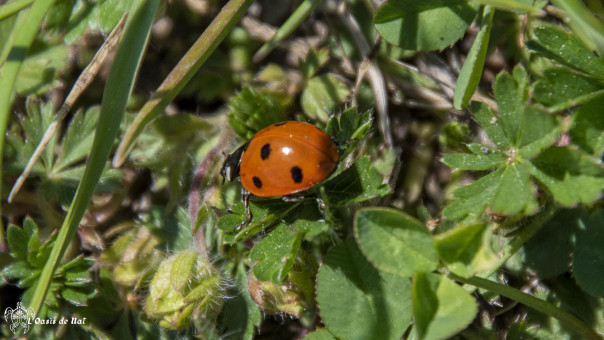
[173, 227]
[394, 242]
[38, 118]
[252, 111]
[474, 198]
[548, 252]
[565, 48]
[78, 139]
[587, 130]
[538, 130]
[357, 301]
[350, 127]
[471, 71]
[588, 260]
[516, 192]
[39, 70]
[314, 60]
[466, 249]
[322, 95]
[110, 12]
[19, 270]
[75, 296]
[360, 182]
[570, 175]
[265, 212]
[33, 245]
[452, 135]
[487, 159]
[562, 87]
[59, 14]
[491, 124]
[424, 25]
[511, 94]
[441, 308]
[320, 334]
[507, 191]
[17, 242]
[276, 253]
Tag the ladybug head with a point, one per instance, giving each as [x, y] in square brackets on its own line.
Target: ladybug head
[230, 167]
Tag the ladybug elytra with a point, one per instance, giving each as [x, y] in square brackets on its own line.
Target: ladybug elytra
[281, 160]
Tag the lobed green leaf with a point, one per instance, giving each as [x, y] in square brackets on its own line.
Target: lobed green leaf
[491, 125]
[466, 249]
[322, 95]
[538, 131]
[563, 87]
[441, 308]
[565, 48]
[360, 182]
[570, 175]
[487, 159]
[275, 254]
[348, 286]
[394, 242]
[510, 94]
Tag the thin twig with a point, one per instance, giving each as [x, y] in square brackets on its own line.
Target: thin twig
[373, 72]
[78, 88]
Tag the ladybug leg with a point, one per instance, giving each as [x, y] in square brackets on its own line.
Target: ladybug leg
[293, 198]
[346, 142]
[298, 198]
[245, 196]
[321, 206]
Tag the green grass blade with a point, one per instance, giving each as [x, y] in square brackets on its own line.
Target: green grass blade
[287, 28]
[25, 32]
[115, 96]
[511, 5]
[13, 7]
[183, 72]
[471, 72]
[533, 302]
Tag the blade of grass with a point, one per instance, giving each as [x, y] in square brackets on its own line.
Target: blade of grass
[25, 32]
[182, 73]
[535, 303]
[471, 72]
[13, 7]
[115, 96]
[512, 5]
[287, 28]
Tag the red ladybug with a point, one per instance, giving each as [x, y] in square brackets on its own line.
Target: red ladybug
[281, 160]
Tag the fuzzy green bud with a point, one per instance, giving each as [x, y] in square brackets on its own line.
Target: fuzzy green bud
[185, 287]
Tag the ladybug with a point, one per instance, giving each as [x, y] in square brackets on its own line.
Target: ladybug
[281, 160]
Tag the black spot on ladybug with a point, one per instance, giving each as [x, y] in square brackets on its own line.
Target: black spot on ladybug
[265, 151]
[257, 182]
[296, 174]
[279, 124]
